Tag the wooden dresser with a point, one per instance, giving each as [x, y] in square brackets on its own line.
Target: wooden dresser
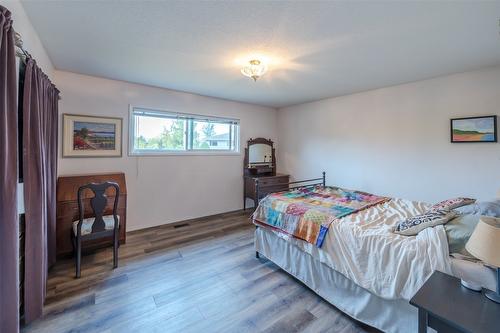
[267, 184]
[259, 171]
[67, 208]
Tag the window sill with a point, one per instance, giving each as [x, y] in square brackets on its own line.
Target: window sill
[184, 153]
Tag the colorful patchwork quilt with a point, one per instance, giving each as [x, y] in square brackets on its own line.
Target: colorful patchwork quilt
[307, 213]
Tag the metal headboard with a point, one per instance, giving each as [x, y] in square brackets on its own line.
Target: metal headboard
[259, 187]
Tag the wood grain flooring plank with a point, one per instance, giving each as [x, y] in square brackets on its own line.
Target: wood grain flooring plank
[292, 322]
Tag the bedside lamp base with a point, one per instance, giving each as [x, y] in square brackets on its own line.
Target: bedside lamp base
[495, 297]
[471, 285]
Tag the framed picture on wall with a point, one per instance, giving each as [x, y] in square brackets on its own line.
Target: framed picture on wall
[474, 129]
[91, 136]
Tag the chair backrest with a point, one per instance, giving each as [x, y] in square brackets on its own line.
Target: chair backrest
[98, 204]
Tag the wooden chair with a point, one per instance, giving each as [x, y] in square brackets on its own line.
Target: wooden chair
[98, 226]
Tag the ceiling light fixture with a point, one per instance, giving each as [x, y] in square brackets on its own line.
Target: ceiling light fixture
[254, 69]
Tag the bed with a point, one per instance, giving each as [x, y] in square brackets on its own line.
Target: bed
[361, 266]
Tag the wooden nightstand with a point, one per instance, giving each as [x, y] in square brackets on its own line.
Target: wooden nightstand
[446, 306]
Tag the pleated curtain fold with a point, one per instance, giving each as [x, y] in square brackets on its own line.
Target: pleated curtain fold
[9, 220]
[40, 128]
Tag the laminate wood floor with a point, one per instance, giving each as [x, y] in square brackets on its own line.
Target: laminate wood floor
[195, 276]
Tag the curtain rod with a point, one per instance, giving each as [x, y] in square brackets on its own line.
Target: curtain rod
[20, 51]
[18, 42]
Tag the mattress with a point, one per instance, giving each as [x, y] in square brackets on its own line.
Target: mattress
[364, 249]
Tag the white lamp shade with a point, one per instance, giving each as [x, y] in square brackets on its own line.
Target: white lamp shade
[484, 243]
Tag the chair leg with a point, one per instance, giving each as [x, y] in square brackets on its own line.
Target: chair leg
[73, 243]
[78, 257]
[115, 249]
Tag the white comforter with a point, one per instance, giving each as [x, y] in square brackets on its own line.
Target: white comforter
[363, 247]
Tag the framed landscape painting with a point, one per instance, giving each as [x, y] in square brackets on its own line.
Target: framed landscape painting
[474, 129]
[89, 136]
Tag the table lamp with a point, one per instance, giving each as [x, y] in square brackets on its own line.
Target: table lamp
[484, 244]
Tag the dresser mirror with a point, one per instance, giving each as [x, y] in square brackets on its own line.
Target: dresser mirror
[260, 154]
[259, 157]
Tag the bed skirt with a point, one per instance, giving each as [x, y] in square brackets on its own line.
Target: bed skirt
[396, 316]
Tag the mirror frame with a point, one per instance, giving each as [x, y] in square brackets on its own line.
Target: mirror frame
[270, 167]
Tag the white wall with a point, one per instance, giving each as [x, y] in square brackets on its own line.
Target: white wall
[163, 189]
[32, 42]
[396, 140]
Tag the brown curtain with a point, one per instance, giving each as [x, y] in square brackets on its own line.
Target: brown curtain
[40, 104]
[9, 220]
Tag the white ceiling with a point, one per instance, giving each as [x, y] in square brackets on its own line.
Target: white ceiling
[316, 49]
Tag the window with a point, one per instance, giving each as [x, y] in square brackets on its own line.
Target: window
[161, 132]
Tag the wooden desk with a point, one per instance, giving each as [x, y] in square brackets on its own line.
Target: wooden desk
[67, 209]
[446, 306]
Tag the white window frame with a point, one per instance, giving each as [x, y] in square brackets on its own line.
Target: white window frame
[188, 116]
